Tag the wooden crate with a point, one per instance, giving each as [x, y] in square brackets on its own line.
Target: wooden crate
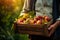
[33, 29]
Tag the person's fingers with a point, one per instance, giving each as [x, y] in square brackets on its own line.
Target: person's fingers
[51, 27]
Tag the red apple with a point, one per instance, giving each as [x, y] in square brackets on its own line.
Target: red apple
[20, 21]
[39, 22]
[47, 18]
[38, 17]
[35, 19]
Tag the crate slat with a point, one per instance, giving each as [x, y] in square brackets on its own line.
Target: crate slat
[32, 29]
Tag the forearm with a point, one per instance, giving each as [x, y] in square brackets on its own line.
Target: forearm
[54, 25]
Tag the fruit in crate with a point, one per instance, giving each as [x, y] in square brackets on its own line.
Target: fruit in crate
[38, 17]
[20, 21]
[39, 22]
[25, 16]
[31, 21]
[26, 19]
[47, 18]
[42, 19]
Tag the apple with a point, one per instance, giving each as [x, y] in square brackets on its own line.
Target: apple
[31, 21]
[38, 17]
[39, 22]
[35, 19]
[47, 18]
[20, 21]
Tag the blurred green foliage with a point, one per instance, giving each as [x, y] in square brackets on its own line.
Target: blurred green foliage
[9, 11]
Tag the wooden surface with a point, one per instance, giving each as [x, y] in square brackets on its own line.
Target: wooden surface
[32, 29]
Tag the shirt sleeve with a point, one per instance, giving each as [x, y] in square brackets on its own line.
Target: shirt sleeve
[58, 18]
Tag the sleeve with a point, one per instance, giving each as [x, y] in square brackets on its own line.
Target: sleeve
[56, 14]
[58, 10]
[58, 18]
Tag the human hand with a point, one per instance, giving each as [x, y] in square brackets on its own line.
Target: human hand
[53, 27]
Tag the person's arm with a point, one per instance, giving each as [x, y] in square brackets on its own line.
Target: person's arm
[56, 14]
[56, 24]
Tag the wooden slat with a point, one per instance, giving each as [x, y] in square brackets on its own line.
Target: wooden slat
[33, 29]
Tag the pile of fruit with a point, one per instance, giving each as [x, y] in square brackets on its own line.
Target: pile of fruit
[27, 19]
